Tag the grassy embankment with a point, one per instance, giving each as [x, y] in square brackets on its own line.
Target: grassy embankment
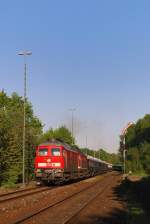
[136, 193]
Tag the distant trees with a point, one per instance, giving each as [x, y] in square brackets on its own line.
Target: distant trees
[62, 133]
[103, 155]
[109, 157]
[138, 145]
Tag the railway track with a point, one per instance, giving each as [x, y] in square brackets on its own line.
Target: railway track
[22, 193]
[60, 203]
[17, 191]
[72, 217]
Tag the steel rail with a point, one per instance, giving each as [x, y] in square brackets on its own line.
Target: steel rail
[25, 194]
[17, 191]
[106, 187]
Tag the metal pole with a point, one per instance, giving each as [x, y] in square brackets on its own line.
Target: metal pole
[86, 145]
[24, 124]
[94, 153]
[72, 127]
[72, 123]
[24, 54]
[124, 156]
[124, 132]
[124, 162]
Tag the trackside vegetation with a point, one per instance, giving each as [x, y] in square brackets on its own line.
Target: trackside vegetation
[11, 131]
[135, 192]
[138, 146]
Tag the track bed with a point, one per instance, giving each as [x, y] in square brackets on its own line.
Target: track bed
[60, 205]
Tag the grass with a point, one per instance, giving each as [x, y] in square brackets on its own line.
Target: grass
[136, 214]
[140, 174]
[137, 197]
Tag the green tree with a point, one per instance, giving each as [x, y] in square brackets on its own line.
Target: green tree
[11, 130]
[133, 160]
[62, 133]
[102, 154]
[138, 145]
[145, 156]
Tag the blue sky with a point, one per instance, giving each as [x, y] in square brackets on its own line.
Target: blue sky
[90, 55]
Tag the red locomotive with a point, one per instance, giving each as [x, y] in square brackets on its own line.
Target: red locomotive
[57, 162]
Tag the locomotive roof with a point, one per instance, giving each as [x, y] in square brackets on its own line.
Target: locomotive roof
[50, 143]
[65, 145]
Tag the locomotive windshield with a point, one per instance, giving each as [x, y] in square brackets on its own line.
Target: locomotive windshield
[43, 152]
[55, 152]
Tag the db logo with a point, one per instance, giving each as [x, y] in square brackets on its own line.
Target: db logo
[48, 160]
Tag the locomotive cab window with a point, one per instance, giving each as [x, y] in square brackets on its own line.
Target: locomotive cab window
[43, 152]
[55, 152]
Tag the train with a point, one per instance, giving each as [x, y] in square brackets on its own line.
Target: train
[57, 162]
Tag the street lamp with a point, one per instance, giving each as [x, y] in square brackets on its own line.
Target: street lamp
[24, 54]
[72, 122]
[123, 134]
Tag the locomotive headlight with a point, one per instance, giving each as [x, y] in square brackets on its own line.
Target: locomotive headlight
[56, 164]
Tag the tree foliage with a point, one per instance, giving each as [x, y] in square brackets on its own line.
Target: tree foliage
[61, 133]
[11, 132]
[138, 145]
[102, 154]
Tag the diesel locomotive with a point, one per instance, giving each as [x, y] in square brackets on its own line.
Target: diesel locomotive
[57, 162]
